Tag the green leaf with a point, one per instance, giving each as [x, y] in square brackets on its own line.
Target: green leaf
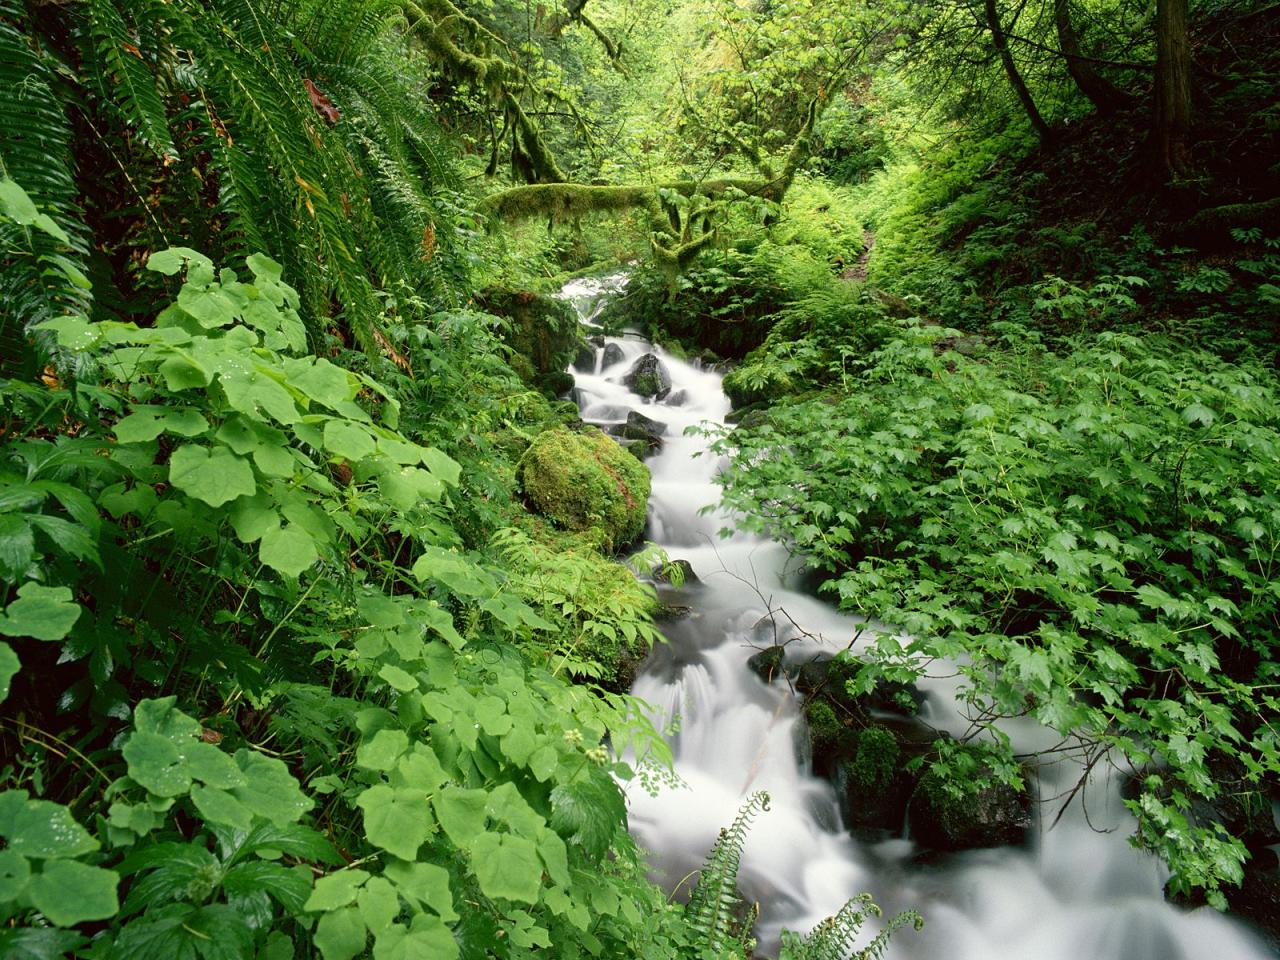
[17, 546]
[41, 830]
[289, 550]
[16, 204]
[145, 423]
[427, 883]
[427, 937]
[251, 517]
[9, 667]
[461, 813]
[349, 440]
[270, 790]
[340, 935]
[157, 764]
[396, 819]
[170, 261]
[507, 866]
[378, 903]
[336, 890]
[213, 475]
[69, 893]
[15, 871]
[402, 680]
[219, 806]
[382, 751]
[45, 613]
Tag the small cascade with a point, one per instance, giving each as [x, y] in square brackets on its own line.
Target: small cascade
[1073, 894]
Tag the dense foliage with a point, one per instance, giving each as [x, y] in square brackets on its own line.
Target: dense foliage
[300, 653]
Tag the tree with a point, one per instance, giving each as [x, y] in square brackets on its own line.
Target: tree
[1102, 93]
[1001, 43]
[1171, 127]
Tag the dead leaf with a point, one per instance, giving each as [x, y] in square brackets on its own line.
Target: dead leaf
[324, 106]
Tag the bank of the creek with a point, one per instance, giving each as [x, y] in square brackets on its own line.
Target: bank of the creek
[1075, 891]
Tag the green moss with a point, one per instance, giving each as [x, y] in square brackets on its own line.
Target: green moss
[876, 760]
[824, 725]
[583, 480]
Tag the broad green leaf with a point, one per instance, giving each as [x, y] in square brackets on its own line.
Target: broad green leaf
[461, 813]
[213, 475]
[220, 807]
[161, 716]
[336, 890]
[400, 679]
[17, 546]
[16, 203]
[396, 819]
[378, 904]
[212, 766]
[15, 870]
[426, 937]
[145, 423]
[382, 751]
[45, 613]
[9, 667]
[170, 261]
[68, 892]
[442, 465]
[270, 790]
[288, 550]
[349, 440]
[427, 883]
[507, 867]
[251, 517]
[340, 935]
[157, 764]
[40, 829]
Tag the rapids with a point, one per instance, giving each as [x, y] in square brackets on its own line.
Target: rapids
[1074, 893]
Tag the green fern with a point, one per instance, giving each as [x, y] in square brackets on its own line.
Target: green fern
[125, 79]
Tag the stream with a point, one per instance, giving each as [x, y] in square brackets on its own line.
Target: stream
[1077, 891]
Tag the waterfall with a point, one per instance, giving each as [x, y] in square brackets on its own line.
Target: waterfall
[1074, 892]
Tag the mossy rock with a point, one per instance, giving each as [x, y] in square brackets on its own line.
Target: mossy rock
[542, 333]
[990, 816]
[583, 480]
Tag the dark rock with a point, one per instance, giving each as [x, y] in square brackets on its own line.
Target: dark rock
[994, 816]
[768, 663]
[612, 354]
[673, 611]
[742, 413]
[648, 377]
[642, 448]
[557, 383]
[677, 399]
[585, 360]
[965, 346]
[1258, 897]
[686, 576]
[596, 340]
[647, 424]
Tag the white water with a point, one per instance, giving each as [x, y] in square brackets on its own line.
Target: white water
[1072, 894]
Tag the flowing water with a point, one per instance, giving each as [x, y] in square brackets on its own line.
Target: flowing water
[1077, 891]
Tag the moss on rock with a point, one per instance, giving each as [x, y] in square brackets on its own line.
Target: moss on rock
[542, 333]
[583, 480]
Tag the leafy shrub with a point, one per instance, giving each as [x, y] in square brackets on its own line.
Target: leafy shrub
[1091, 531]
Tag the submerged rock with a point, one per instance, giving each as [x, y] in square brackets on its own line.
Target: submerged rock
[648, 377]
[585, 361]
[612, 354]
[640, 422]
[582, 480]
[677, 398]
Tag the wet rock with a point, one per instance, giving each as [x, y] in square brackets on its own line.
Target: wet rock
[996, 815]
[642, 448]
[639, 421]
[612, 354]
[1258, 896]
[542, 334]
[676, 573]
[768, 663]
[677, 398]
[585, 360]
[596, 340]
[673, 611]
[648, 377]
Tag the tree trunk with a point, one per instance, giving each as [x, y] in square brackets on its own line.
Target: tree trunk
[1011, 69]
[1102, 93]
[1171, 129]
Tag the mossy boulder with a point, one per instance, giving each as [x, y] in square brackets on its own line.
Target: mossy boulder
[648, 377]
[945, 817]
[583, 480]
[542, 333]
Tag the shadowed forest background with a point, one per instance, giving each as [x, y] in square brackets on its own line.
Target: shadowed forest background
[320, 605]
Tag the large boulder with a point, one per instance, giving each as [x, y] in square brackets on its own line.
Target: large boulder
[648, 377]
[582, 480]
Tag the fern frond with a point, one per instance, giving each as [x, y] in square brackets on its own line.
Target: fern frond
[710, 911]
[125, 79]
